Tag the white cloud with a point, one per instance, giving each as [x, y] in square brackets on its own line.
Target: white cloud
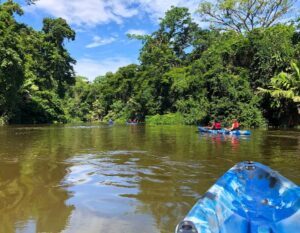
[92, 68]
[87, 13]
[139, 32]
[157, 8]
[96, 12]
[98, 41]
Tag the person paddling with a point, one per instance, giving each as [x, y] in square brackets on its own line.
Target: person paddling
[235, 125]
[216, 125]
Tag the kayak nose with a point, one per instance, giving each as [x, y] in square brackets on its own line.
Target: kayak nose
[186, 227]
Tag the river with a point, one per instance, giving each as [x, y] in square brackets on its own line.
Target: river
[95, 178]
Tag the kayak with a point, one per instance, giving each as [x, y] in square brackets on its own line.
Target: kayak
[249, 198]
[212, 131]
[238, 132]
[131, 123]
[224, 131]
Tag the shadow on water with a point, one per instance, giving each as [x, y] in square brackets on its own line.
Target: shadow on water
[95, 178]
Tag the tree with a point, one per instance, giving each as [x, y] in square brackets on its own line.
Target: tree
[78, 100]
[179, 29]
[268, 52]
[58, 63]
[176, 34]
[244, 15]
[163, 50]
[285, 91]
[285, 85]
[35, 68]
[11, 59]
[57, 30]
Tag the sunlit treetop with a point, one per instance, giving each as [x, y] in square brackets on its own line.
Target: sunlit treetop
[244, 15]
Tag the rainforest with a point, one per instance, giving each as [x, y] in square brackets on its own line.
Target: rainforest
[186, 74]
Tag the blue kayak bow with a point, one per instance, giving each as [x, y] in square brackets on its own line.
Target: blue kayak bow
[250, 198]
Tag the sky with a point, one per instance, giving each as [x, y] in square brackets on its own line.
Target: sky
[101, 27]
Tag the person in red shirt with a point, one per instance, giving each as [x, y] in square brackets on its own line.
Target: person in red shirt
[216, 125]
[235, 125]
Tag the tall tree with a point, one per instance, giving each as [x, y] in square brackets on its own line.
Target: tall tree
[58, 62]
[35, 68]
[269, 51]
[244, 15]
[11, 58]
[179, 29]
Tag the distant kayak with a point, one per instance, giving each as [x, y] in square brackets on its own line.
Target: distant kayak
[131, 123]
[224, 131]
[249, 198]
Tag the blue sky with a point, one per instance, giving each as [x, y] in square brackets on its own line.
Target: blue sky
[101, 27]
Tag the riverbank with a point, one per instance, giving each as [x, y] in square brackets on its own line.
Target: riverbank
[168, 119]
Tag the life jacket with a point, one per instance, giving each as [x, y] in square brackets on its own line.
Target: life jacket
[236, 125]
[217, 125]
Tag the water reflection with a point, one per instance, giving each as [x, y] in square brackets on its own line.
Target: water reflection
[221, 139]
[138, 184]
[101, 185]
[96, 178]
[30, 197]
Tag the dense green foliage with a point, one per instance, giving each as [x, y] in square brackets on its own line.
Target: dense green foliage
[190, 75]
[186, 75]
[285, 89]
[35, 68]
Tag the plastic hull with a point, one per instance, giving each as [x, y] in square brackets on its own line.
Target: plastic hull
[131, 123]
[223, 131]
[249, 198]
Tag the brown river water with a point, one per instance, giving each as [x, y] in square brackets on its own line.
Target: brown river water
[121, 179]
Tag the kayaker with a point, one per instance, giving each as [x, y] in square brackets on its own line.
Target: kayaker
[216, 125]
[235, 125]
